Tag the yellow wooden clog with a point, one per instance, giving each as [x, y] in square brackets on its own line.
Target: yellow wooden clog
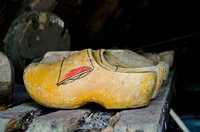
[93, 76]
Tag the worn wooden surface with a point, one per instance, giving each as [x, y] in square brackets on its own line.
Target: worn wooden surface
[13, 118]
[91, 117]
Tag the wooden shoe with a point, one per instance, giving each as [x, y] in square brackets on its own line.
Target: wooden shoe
[89, 76]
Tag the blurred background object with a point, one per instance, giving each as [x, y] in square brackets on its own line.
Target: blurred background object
[32, 34]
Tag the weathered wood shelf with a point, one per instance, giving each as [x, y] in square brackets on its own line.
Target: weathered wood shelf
[27, 115]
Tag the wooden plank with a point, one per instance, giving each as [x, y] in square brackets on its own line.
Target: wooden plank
[75, 120]
[16, 118]
[63, 120]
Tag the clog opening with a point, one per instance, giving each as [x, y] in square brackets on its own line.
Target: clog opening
[111, 59]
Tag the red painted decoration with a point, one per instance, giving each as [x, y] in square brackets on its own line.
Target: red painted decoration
[76, 71]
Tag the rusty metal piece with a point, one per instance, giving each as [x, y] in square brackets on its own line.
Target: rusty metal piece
[32, 34]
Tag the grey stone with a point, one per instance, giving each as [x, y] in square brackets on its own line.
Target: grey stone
[6, 78]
